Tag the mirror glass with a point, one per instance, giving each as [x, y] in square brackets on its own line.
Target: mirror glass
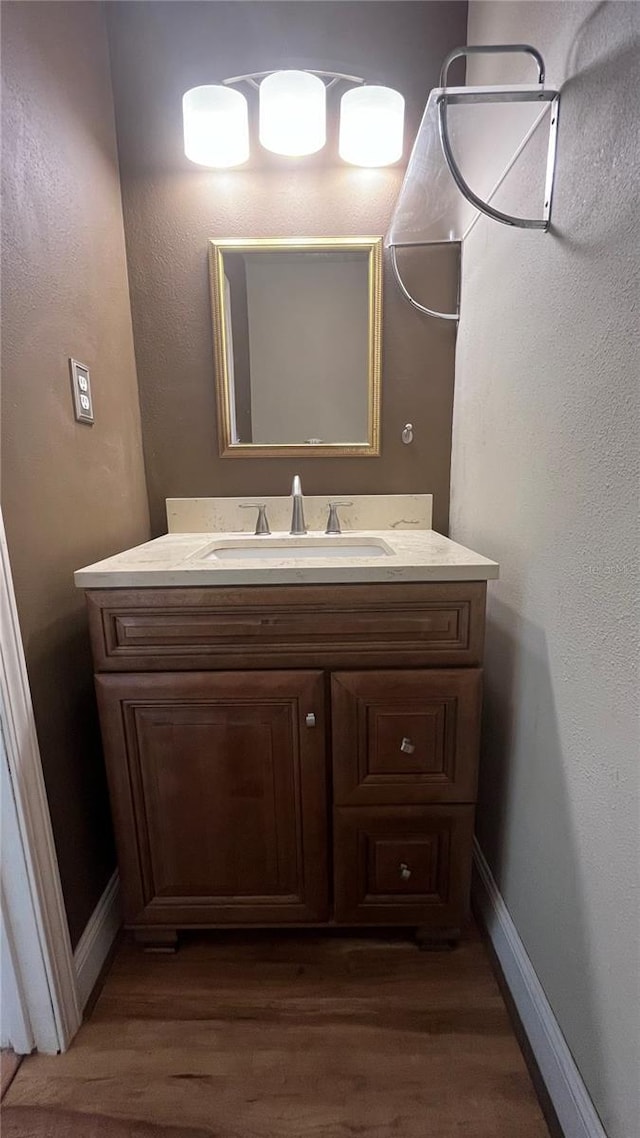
[297, 345]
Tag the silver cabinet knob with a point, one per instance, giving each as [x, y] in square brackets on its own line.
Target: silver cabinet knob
[310, 719]
[407, 746]
[405, 872]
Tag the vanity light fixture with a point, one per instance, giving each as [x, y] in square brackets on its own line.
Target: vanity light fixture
[216, 126]
[292, 118]
[293, 113]
[371, 126]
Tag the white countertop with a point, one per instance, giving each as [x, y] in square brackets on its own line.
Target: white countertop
[178, 559]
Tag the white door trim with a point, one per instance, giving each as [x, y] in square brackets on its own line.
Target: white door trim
[34, 921]
[15, 1027]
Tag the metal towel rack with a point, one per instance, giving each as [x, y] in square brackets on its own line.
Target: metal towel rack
[428, 210]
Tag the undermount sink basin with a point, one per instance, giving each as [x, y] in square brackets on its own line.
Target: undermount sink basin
[296, 549]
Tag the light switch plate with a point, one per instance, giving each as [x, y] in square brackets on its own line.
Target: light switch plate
[81, 387]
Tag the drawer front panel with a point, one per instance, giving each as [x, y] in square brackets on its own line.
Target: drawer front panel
[405, 737]
[285, 626]
[403, 865]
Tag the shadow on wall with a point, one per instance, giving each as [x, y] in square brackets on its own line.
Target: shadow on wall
[580, 49]
[520, 723]
[74, 775]
[43, 71]
[622, 59]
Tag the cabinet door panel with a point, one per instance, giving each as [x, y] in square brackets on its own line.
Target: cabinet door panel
[403, 865]
[219, 805]
[405, 736]
[219, 792]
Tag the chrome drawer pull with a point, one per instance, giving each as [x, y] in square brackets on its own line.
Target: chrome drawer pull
[405, 872]
[407, 746]
[310, 719]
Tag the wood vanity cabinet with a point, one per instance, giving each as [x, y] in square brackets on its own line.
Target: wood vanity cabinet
[283, 755]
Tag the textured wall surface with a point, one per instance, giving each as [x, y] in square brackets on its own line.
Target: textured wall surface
[172, 208]
[70, 493]
[545, 479]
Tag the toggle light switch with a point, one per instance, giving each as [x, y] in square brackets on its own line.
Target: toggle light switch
[81, 387]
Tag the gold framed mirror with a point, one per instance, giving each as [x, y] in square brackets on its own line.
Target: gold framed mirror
[297, 346]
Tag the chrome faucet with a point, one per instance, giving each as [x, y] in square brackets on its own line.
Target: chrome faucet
[297, 514]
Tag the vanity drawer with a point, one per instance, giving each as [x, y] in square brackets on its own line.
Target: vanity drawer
[405, 736]
[403, 865]
[409, 625]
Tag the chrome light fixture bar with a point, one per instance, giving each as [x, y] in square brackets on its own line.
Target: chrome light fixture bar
[292, 118]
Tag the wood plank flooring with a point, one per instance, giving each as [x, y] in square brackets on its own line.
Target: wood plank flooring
[294, 1035]
[9, 1063]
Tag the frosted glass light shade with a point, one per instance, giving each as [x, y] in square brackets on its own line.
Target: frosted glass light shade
[216, 126]
[371, 126]
[293, 113]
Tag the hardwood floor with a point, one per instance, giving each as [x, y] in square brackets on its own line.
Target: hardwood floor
[290, 1035]
[9, 1063]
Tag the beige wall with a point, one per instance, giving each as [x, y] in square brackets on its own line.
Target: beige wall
[545, 479]
[172, 209]
[309, 336]
[70, 493]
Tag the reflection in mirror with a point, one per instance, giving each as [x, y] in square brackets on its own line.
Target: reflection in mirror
[297, 343]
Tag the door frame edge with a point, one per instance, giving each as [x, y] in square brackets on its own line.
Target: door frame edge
[35, 916]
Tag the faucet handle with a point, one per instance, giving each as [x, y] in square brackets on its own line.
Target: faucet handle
[333, 521]
[262, 524]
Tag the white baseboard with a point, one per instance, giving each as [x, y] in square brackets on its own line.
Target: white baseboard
[96, 941]
[576, 1113]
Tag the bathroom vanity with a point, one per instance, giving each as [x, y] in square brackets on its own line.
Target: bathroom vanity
[291, 738]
